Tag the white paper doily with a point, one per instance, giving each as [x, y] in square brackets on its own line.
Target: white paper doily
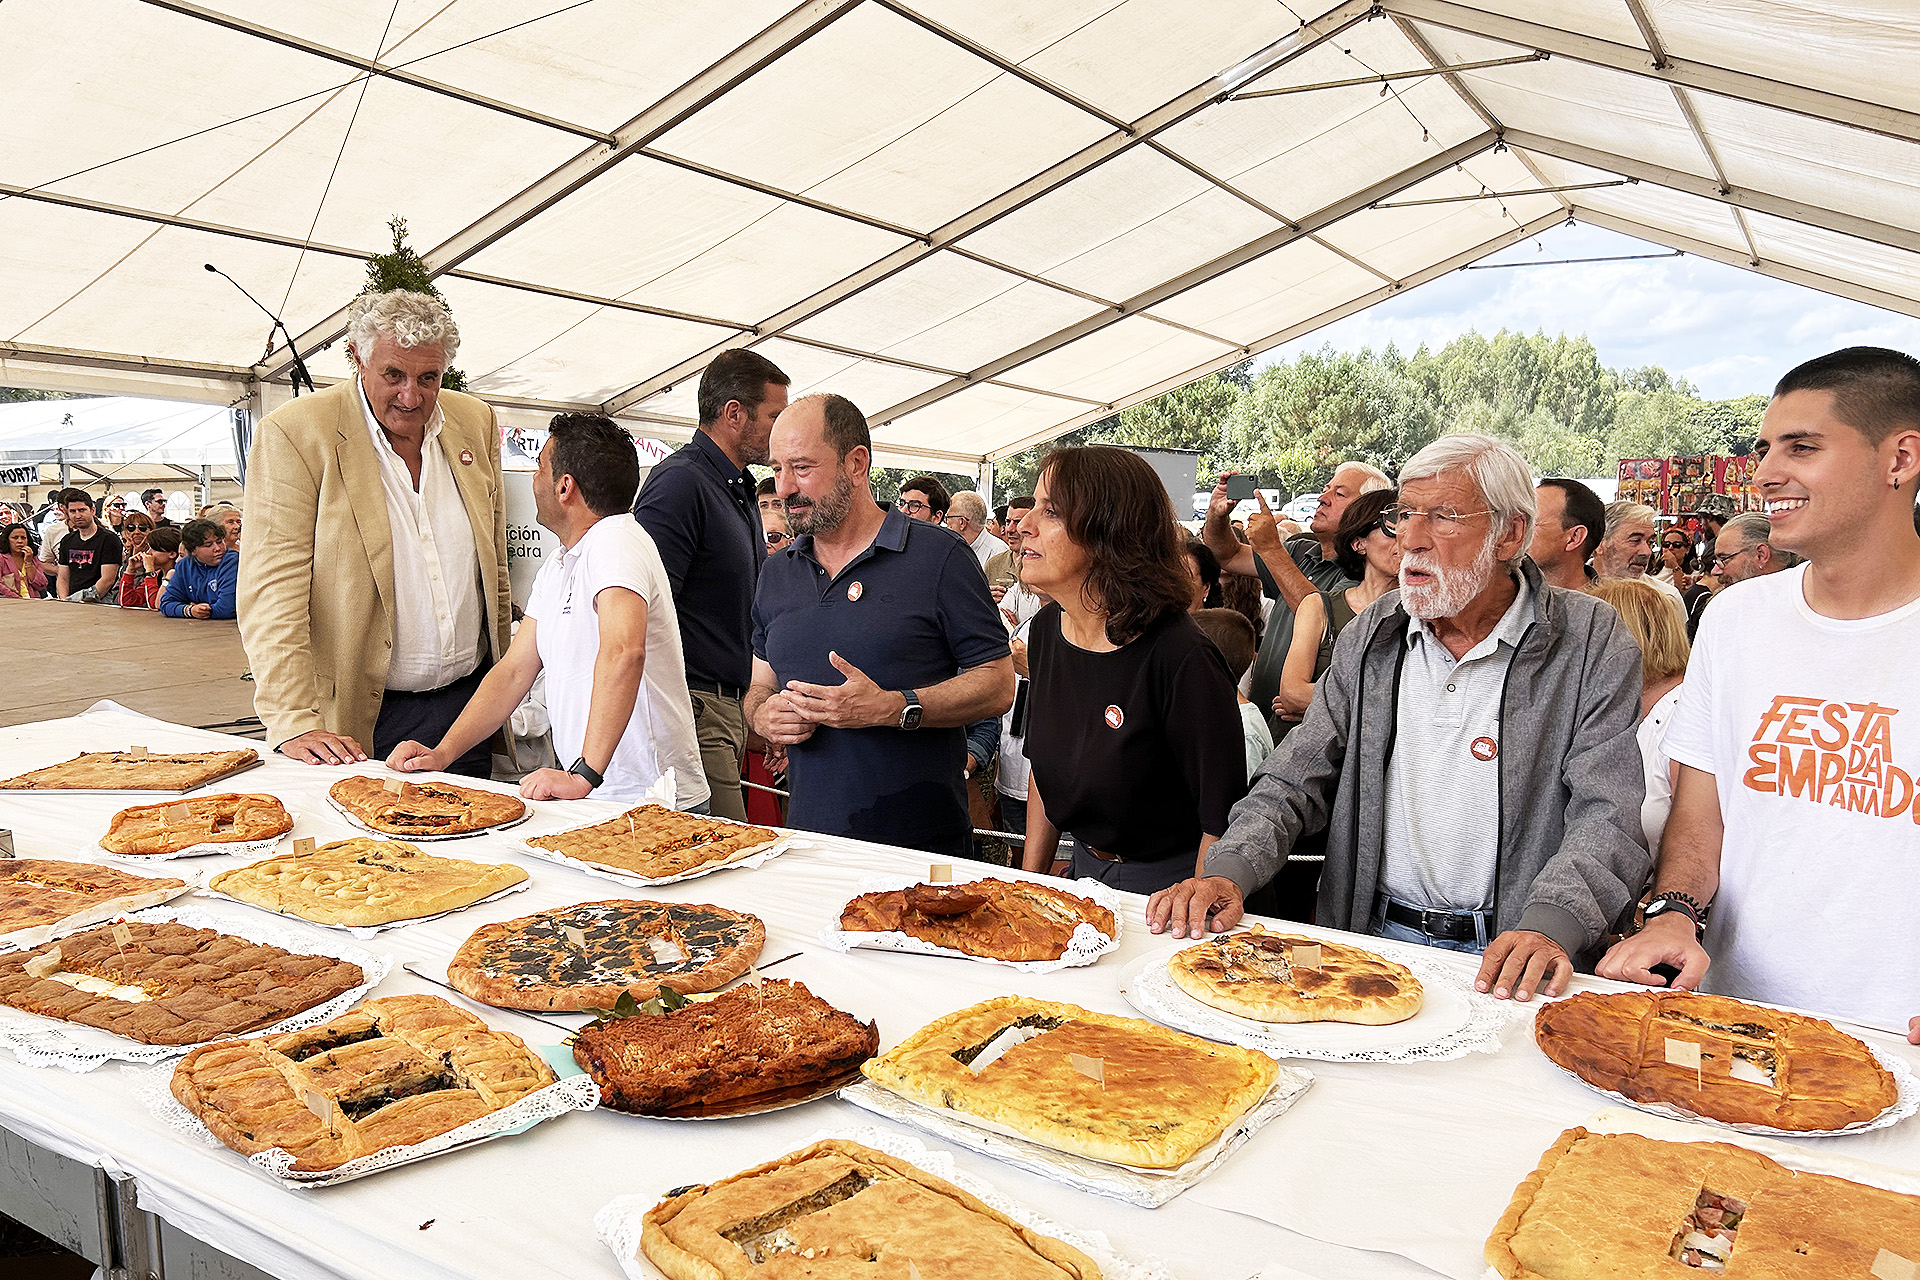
[1086, 946]
[1454, 1020]
[239, 848]
[1906, 1102]
[38, 1041]
[574, 1093]
[619, 1220]
[337, 807]
[1150, 1188]
[24, 939]
[369, 930]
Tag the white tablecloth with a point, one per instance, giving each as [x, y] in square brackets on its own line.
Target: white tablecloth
[1383, 1171]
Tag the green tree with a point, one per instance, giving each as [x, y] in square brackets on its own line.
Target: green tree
[402, 268]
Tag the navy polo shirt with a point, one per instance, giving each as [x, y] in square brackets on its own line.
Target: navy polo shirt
[912, 610]
[699, 510]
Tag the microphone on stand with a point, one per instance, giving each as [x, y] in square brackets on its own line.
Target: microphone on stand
[300, 375]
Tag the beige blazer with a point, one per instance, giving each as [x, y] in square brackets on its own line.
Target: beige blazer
[316, 578]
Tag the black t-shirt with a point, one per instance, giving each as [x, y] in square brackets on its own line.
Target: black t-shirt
[84, 557]
[1138, 752]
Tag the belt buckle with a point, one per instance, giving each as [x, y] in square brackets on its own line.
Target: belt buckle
[1445, 929]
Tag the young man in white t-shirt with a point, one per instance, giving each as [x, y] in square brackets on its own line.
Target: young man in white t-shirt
[1798, 732]
[601, 624]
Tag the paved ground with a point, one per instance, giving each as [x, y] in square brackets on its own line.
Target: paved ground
[62, 658]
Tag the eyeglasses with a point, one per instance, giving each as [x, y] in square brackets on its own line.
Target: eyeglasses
[954, 520]
[1720, 558]
[912, 506]
[1445, 520]
[774, 539]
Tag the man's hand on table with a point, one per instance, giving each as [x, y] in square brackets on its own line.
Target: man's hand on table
[555, 784]
[416, 757]
[1666, 939]
[1195, 906]
[857, 704]
[1520, 962]
[317, 746]
[1913, 1030]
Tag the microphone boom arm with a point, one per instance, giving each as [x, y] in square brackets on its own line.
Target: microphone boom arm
[299, 376]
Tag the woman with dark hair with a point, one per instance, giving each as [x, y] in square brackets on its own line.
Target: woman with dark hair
[1205, 568]
[137, 588]
[21, 574]
[1133, 734]
[1369, 556]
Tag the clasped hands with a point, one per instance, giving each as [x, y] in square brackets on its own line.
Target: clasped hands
[792, 714]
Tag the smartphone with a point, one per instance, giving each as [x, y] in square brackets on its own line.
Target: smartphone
[1239, 487]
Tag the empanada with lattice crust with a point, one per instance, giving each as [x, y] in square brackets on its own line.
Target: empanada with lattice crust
[656, 842]
[390, 1073]
[229, 818]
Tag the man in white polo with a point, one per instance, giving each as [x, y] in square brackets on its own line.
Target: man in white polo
[601, 624]
[967, 516]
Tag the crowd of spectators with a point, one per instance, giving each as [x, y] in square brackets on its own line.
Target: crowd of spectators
[90, 551]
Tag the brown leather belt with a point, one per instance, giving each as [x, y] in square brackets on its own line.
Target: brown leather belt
[1104, 857]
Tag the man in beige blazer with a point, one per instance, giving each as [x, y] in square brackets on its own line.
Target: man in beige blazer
[374, 594]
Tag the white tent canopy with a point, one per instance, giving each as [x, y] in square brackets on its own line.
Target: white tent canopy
[119, 440]
[984, 221]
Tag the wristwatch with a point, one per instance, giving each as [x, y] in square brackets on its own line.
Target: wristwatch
[1685, 905]
[592, 775]
[910, 714]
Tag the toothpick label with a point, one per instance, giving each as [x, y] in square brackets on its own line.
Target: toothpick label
[122, 936]
[6, 843]
[322, 1110]
[575, 939]
[1091, 1068]
[397, 785]
[940, 873]
[1888, 1265]
[42, 965]
[1685, 1053]
[178, 813]
[136, 751]
[303, 846]
[913, 1272]
[1304, 955]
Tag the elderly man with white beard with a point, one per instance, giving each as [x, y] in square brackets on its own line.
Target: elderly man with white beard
[1470, 753]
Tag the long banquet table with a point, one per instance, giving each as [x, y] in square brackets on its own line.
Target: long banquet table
[1381, 1171]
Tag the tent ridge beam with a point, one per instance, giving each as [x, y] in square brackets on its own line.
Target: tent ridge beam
[1744, 86]
[1306, 39]
[1685, 102]
[961, 251]
[122, 362]
[791, 197]
[617, 304]
[1356, 203]
[1504, 240]
[795, 28]
[1709, 188]
[372, 66]
[1734, 258]
[44, 196]
[1438, 69]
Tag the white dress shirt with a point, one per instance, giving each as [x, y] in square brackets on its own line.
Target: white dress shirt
[437, 618]
[1442, 836]
[986, 547]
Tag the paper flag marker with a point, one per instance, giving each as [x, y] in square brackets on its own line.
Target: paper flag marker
[575, 939]
[1888, 1265]
[6, 843]
[177, 813]
[1685, 1053]
[1304, 955]
[136, 751]
[303, 846]
[122, 936]
[397, 785]
[1091, 1068]
[42, 965]
[322, 1111]
[913, 1272]
[940, 873]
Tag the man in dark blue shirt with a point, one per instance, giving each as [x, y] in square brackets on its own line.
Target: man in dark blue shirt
[698, 506]
[874, 643]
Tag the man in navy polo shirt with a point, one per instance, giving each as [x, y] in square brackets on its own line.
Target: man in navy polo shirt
[698, 507]
[874, 644]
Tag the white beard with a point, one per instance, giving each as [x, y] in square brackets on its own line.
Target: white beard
[1452, 589]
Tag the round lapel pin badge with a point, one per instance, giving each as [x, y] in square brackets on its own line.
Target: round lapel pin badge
[1484, 748]
[1115, 717]
[854, 591]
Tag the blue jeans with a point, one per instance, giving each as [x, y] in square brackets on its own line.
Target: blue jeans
[1381, 927]
[704, 809]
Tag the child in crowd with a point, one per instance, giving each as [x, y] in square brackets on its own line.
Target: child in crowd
[205, 580]
[1232, 635]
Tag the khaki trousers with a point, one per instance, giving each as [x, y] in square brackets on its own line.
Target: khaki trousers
[721, 729]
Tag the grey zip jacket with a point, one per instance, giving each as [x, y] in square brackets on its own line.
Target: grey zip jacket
[1572, 855]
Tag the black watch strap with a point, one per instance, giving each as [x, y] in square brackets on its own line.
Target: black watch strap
[592, 775]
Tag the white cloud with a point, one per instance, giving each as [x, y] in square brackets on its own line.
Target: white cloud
[1729, 331]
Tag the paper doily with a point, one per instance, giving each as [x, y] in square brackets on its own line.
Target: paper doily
[1906, 1102]
[1464, 1020]
[619, 1220]
[1086, 946]
[574, 1093]
[238, 848]
[38, 1041]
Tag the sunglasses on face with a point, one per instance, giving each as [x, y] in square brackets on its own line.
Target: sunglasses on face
[775, 539]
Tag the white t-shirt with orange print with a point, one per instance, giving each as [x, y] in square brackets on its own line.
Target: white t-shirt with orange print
[1811, 728]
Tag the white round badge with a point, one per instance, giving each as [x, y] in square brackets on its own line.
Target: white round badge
[853, 591]
[1484, 748]
[1115, 717]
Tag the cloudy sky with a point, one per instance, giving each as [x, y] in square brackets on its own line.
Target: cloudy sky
[1730, 332]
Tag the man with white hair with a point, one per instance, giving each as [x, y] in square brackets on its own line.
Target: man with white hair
[1470, 753]
[967, 516]
[1629, 548]
[373, 594]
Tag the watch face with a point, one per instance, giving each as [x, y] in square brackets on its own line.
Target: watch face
[911, 719]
